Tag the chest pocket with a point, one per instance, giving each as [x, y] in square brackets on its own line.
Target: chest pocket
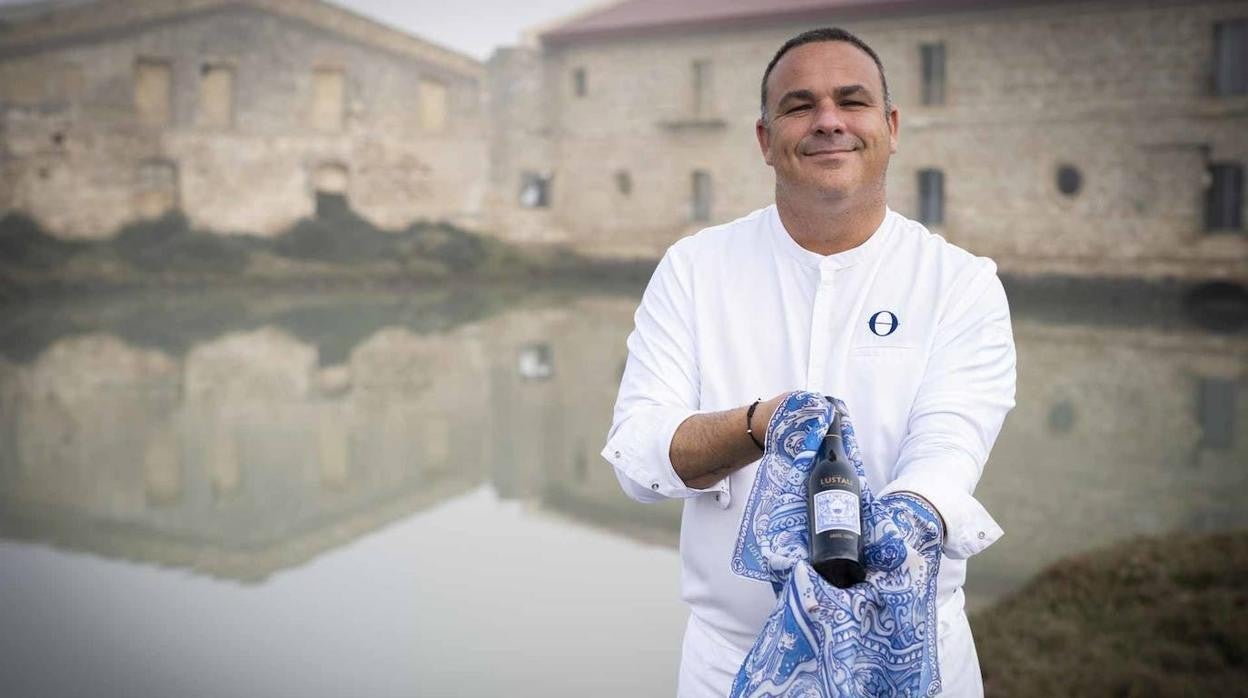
[886, 374]
[884, 380]
[883, 353]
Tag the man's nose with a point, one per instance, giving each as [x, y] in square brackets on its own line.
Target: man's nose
[828, 119]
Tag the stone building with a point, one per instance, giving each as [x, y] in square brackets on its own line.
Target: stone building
[243, 114]
[242, 450]
[1099, 138]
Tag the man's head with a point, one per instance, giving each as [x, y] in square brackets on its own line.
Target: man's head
[828, 125]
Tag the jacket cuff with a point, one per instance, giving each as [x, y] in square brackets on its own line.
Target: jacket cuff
[969, 528]
[640, 451]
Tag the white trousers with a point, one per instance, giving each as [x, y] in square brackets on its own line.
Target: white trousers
[709, 663]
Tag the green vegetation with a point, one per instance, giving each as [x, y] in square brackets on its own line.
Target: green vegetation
[339, 246]
[1154, 617]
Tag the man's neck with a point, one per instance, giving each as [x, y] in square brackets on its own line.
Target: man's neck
[830, 228]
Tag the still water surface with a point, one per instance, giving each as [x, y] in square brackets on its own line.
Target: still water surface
[399, 495]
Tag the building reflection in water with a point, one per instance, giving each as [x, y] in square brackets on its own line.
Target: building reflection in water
[1114, 435]
[254, 448]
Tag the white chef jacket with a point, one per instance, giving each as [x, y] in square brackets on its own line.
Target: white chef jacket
[911, 332]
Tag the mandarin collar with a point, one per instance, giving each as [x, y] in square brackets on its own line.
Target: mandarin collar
[840, 260]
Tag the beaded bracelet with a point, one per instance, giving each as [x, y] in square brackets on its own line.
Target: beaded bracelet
[749, 430]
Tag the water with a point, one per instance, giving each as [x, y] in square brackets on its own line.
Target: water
[227, 494]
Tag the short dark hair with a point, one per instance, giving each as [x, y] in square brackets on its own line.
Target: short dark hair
[824, 34]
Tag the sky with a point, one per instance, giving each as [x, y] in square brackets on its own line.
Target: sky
[474, 27]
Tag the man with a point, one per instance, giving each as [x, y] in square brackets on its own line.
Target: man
[828, 291]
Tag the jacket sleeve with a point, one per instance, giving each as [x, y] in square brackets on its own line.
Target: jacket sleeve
[659, 389]
[967, 389]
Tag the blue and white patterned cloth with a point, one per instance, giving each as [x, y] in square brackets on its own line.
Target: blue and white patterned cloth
[877, 638]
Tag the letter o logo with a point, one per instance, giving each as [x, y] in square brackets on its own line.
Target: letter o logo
[883, 323]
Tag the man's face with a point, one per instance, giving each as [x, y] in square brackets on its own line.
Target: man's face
[827, 135]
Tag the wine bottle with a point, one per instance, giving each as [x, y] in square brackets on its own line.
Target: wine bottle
[834, 513]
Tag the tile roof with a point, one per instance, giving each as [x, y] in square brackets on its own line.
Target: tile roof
[630, 17]
[40, 25]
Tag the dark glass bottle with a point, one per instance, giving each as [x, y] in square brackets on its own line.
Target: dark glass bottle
[834, 513]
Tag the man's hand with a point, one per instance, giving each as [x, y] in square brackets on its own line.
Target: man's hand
[708, 447]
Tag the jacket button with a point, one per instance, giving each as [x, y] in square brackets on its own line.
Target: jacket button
[655, 486]
[717, 497]
[982, 535]
[617, 454]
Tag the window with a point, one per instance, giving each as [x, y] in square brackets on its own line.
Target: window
[225, 470]
[931, 197]
[331, 181]
[1224, 197]
[536, 362]
[624, 182]
[432, 106]
[580, 464]
[1069, 180]
[162, 468]
[1230, 60]
[933, 71]
[580, 88]
[700, 206]
[534, 190]
[216, 96]
[156, 190]
[702, 87]
[328, 99]
[153, 92]
[1215, 410]
[1061, 417]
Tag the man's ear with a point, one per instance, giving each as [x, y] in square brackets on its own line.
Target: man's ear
[764, 139]
[894, 129]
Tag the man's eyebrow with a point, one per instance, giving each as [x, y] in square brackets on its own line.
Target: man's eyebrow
[796, 95]
[852, 90]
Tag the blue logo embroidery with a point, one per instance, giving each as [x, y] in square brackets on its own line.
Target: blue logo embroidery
[883, 323]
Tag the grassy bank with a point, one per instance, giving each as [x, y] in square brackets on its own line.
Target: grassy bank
[339, 247]
[1154, 617]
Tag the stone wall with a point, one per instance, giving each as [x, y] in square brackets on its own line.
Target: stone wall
[250, 126]
[520, 143]
[1120, 91]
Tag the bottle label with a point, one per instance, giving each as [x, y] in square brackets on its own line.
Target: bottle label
[837, 510]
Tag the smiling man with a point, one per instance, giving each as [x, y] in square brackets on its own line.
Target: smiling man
[829, 291]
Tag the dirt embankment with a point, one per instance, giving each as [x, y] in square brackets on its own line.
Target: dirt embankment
[341, 247]
[1153, 617]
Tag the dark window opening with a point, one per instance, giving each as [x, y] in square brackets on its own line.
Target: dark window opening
[624, 182]
[332, 205]
[931, 197]
[580, 464]
[536, 362]
[1230, 61]
[700, 205]
[1061, 417]
[1069, 180]
[580, 86]
[1224, 197]
[701, 87]
[933, 71]
[534, 190]
[1215, 410]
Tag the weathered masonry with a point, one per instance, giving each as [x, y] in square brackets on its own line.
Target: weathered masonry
[243, 114]
[1074, 137]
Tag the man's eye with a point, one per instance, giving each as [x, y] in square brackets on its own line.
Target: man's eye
[853, 104]
[800, 107]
